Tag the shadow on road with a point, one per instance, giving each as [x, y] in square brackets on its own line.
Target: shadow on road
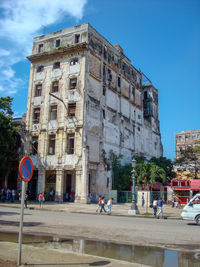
[193, 224]
[96, 263]
[8, 213]
[26, 224]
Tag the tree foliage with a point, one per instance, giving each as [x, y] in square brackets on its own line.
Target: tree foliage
[8, 138]
[122, 174]
[190, 157]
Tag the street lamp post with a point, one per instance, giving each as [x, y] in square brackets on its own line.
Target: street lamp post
[134, 209]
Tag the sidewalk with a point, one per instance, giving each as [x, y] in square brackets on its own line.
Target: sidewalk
[117, 209]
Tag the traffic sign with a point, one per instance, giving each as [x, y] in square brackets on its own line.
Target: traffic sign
[26, 169]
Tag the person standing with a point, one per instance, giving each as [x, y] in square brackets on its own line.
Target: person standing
[51, 195]
[155, 205]
[143, 201]
[99, 204]
[160, 205]
[41, 199]
[13, 196]
[102, 205]
[109, 205]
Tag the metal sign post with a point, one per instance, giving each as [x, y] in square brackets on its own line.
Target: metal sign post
[25, 174]
[21, 224]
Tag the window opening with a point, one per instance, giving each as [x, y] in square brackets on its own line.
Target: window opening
[74, 61]
[56, 65]
[40, 68]
[57, 43]
[104, 90]
[36, 115]
[73, 83]
[52, 141]
[53, 112]
[40, 48]
[34, 145]
[104, 114]
[71, 109]
[38, 90]
[55, 86]
[119, 81]
[70, 143]
[77, 38]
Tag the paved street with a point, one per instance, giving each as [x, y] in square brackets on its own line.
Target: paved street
[128, 230]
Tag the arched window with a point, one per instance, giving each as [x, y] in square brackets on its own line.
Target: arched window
[56, 65]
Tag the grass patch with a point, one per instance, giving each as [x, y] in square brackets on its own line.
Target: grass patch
[147, 214]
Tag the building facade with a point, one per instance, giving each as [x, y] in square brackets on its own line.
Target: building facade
[185, 140]
[85, 99]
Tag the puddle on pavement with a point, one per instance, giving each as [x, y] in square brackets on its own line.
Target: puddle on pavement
[151, 256]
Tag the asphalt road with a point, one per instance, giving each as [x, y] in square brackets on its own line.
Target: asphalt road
[174, 234]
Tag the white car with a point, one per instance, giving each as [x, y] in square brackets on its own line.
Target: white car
[191, 211]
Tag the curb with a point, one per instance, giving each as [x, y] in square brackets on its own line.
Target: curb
[91, 213]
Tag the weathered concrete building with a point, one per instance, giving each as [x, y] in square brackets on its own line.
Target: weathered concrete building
[185, 140]
[85, 99]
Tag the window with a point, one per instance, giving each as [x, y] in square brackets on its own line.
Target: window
[56, 65]
[73, 83]
[77, 38]
[40, 48]
[74, 61]
[34, 145]
[38, 90]
[40, 68]
[53, 112]
[70, 143]
[55, 87]
[109, 75]
[104, 114]
[36, 115]
[52, 141]
[71, 109]
[104, 90]
[145, 95]
[57, 43]
[107, 184]
[119, 81]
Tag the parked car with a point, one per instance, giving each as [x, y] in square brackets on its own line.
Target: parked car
[191, 211]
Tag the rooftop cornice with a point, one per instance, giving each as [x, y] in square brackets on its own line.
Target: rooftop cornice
[58, 52]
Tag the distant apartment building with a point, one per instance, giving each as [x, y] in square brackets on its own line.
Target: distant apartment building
[185, 140]
[85, 99]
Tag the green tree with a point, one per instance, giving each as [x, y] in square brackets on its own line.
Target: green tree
[166, 165]
[122, 176]
[8, 139]
[190, 156]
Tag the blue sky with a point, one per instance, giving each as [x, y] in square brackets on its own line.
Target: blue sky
[161, 38]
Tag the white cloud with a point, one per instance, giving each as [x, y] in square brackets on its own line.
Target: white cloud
[21, 20]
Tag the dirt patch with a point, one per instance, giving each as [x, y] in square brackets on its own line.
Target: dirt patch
[7, 263]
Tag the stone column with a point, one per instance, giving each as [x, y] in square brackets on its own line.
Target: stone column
[41, 180]
[59, 185]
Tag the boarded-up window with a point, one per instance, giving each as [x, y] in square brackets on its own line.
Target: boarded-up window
[73, 83]
[52, 142]
[38, 90]
[71, 109]
[70, 143]
[55, 86]
[36, 115]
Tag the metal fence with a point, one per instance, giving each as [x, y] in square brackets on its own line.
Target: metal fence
[125, 196]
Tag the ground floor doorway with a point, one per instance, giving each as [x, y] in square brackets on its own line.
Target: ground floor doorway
[33, 186]
[50, 185]
[69, 186]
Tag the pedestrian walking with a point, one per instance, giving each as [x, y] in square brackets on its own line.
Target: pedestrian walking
[160, 207]
[41, 199]
[143, 201]
[51, 195]
[13, 195]
[109, 205]
[155, 205]
[99, 204]
[102, 205]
